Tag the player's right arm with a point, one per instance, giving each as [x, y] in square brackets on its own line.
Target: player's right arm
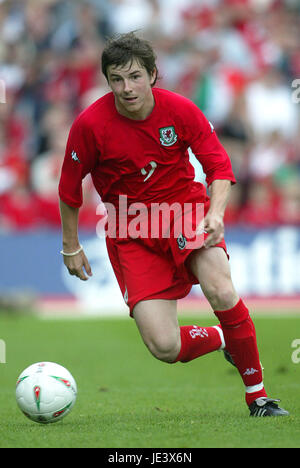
[76, 264]
[80, 159]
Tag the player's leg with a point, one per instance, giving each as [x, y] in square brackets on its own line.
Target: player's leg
[212, 269]
[158, 325]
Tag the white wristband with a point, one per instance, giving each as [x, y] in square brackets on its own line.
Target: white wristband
[72, 253]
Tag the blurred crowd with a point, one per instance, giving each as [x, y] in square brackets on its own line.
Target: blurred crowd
[238, 60]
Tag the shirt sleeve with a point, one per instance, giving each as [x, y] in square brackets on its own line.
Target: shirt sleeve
[81, 157]
[207, 148]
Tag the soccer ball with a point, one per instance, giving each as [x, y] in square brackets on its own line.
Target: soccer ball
[46, 392]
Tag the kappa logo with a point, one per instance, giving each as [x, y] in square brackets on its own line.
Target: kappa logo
[75, 157]
[168, 136]
[250, 371]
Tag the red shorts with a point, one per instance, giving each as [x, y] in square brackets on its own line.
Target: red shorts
[154, 268]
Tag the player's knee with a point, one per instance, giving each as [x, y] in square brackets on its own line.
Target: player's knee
[164, 350]
[222, 296]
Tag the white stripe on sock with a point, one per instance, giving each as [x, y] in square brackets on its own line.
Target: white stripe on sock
[255, 388]
[220, 331]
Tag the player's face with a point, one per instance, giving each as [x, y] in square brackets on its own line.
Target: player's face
[131, 85]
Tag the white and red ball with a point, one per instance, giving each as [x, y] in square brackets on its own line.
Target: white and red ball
[46, 392]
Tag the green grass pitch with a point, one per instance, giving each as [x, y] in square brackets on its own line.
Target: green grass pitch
[128, 399]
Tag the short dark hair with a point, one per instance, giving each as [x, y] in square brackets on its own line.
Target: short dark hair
[124, 48]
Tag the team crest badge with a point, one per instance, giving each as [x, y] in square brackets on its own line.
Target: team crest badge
[168, 136]
[181, 241]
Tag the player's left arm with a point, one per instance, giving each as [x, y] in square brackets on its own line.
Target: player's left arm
[217, 167]
[214, 219]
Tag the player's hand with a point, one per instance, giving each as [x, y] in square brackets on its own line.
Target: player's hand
[79, 266]
[214, 226]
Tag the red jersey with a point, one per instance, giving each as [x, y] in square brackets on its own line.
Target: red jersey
[146, 160]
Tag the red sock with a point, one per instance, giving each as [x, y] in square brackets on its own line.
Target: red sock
[240, 339]
[197, 341]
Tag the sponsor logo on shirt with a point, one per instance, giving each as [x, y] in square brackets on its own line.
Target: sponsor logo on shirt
[168, 136]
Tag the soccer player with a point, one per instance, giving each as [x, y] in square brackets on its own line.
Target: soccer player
[134, 142]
